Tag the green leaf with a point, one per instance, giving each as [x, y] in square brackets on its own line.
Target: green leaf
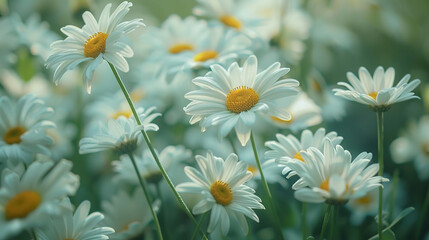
[401, 215]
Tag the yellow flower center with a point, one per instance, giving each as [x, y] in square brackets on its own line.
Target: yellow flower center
[252, 169]
[425, 148]
[95, 45]
[317, 86]
[13, 135]
[137, 94]
[125, 113]
[22, 204]
[205, 55]
[276, 119]
[325, 185]
[373, 95]
[221, 192]
[299, 157]
[365, 200]
[230, 21]
[178, 48]
[241, 99]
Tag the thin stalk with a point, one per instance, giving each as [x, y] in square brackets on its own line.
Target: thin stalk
[34, 234]
[380, 172]
[332, 233]
[304, 221]
[422, 215]
[163, 219]
[325, 221]
[267, 189]
[147, 195]
[152, 150]
[203, 217]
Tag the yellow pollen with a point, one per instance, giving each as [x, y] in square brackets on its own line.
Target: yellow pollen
[241, 99]
[325, 185]
[373, 95]
[22, 204]
[316, 86]
[276, 119]
[221, 192]
[364, 200]
[125, 113]
[298, 156]
[178, 48]
[230, 21]
[13, 135]
[95, 45]
[205, 55]
[252, 169]
[425, 148]
[137, 94]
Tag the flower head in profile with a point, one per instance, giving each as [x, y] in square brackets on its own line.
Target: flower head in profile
[220, 182]
[331, 176]
[26, 200]
[377, 91]
[23, 126]
[413, 145]
[289, 148]
[128, 214]
[95, 41]
[77, 225]
[233, 97]
[120, 135]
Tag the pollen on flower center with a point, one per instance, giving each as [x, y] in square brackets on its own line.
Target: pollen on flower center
[241, 99]
[230, 21]
[425, 148]
[13, 135]
[125, 113]
[276, 119]
[178, 48]
[221, 192]
[325, 185]
[364, 200]
[205, 55]
[373, 95]
[299, 157]
[252, 169]
[22, 204]
[95, 45]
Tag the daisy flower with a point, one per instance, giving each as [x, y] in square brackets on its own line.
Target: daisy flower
[220, 183]
[366, 205]
[127, 214]
[304, 113]
[331, 176]
[169, 158]
[78, 225]
[96, 41]
[121, 135]
[377, 91]
[23, 126]
[232, 98]
[287, 148]
[414, 146]
[27, 200]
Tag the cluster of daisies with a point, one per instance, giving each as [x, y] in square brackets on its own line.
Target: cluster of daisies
[199, 130]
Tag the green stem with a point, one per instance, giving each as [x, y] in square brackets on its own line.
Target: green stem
[152, 150]
[147, 195]
[332, 234]
[380, 172]
[267, 189]
[194, 235]
[34, 234]
[163, 219]
[325, 221]
[304, 220]
[422, 215]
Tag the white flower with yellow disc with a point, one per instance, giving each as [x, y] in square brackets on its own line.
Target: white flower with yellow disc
[221, 185]
[27, 200]
[97, 40]
[232, 97]
[23, 126]
[377, 91]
